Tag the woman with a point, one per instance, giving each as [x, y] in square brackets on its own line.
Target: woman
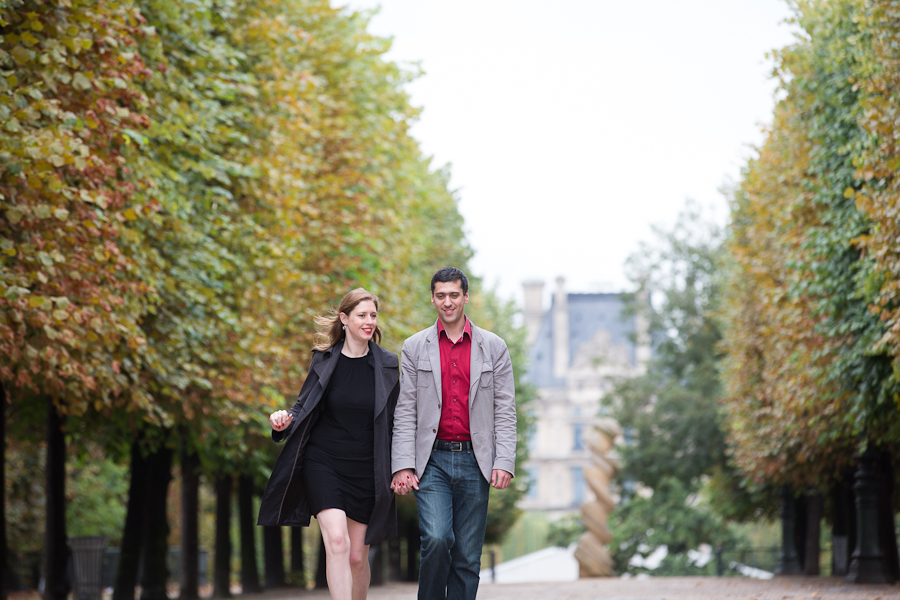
[336, 463]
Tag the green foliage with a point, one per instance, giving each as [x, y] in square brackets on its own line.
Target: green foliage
[96, 495]
[69, 295]
[24, 496]
[528, 534]
[183, 186]
[670, 412]
[565, 530]
[808, 353]
[674, 430]
[673, 517]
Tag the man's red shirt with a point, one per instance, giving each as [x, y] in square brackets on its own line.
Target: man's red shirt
[455, 377]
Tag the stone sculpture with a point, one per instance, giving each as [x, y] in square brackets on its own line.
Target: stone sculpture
[592, 553]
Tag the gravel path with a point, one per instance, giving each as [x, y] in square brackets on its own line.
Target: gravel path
[661, 588]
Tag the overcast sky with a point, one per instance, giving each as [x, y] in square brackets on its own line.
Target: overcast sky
[572, 126]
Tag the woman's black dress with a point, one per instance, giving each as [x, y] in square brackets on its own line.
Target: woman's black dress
[339, 467]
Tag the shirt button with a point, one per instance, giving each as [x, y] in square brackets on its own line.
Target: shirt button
[434, 431]
[439, 405]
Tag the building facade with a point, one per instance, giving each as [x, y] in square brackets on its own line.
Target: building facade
[578, 347]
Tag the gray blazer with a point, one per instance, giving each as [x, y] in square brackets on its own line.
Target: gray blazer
[492, 403]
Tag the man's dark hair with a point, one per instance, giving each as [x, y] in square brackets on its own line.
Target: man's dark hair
[448, 274]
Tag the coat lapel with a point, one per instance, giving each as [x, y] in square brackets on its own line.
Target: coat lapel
[434, 355]
[323, 370]
[381, 384]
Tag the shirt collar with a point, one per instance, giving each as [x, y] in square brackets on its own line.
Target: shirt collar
[467, 330]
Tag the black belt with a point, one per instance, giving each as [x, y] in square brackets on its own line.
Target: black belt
[451, 446]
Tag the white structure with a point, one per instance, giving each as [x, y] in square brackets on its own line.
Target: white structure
[549, 564]
[577, 347]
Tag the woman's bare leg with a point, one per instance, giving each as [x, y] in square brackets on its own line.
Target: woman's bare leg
[333, 524]
[359, 558]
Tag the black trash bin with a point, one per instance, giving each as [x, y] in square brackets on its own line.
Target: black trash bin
[87, 554]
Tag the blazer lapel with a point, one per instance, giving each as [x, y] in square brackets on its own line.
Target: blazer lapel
[434, 355]
[475, 364]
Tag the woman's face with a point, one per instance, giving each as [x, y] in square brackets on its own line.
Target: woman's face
[361, 321]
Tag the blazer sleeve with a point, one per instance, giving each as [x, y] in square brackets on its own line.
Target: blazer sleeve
[305, 390]
[403, 445]
[504, 412]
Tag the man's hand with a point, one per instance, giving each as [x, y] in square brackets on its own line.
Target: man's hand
[280, 419]
[404, 480]
[500, 479]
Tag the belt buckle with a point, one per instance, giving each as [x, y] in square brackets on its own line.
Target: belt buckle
[457, 448]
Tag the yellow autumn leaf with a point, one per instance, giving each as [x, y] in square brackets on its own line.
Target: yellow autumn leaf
[29, 39]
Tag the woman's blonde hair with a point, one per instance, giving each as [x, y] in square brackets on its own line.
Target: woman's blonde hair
[331, 330]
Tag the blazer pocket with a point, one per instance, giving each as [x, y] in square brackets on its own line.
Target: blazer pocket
[424, 376]
[487, 375]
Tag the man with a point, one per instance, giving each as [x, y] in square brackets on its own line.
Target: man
[454, 437]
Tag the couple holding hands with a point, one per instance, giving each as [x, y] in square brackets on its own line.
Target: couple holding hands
[359, 434]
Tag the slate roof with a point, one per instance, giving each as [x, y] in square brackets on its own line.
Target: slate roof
[587, 314]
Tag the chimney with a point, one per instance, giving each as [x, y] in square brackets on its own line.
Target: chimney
[534, 309]
[560, 329]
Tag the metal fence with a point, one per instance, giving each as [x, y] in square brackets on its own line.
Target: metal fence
[766, 559]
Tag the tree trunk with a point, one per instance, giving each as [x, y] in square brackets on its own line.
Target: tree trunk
[273, 552]
[190, 525]
[222, 570]
[800, 531]
[867, 563]
[788, 562]
[56, 548]
[156, 526]
[376, 563]
[413, 541]
[249, 571]
[888, 540]
[132, 534]
[814, 508]
[841, 502]
[298, 569]
[4, 555]
[321, 579]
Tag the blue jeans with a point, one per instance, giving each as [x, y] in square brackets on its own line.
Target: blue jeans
[452, 501]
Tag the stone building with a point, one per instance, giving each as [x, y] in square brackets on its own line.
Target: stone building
[578, 347]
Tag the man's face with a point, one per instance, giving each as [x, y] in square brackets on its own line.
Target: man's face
[449, 301]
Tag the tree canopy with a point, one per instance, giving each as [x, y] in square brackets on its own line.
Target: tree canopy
[183, 186]
[810, 297]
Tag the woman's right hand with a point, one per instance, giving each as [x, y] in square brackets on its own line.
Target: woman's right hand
[280, 419]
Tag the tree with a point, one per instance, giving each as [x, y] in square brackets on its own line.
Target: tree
[808, 302]
[674, 433]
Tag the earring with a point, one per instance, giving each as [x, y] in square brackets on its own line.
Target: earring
[344, 327]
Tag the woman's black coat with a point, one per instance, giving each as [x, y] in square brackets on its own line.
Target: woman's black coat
[284, 502]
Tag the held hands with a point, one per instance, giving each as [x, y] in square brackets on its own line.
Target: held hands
[404, 481]
[500, 479]
[280, 419]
